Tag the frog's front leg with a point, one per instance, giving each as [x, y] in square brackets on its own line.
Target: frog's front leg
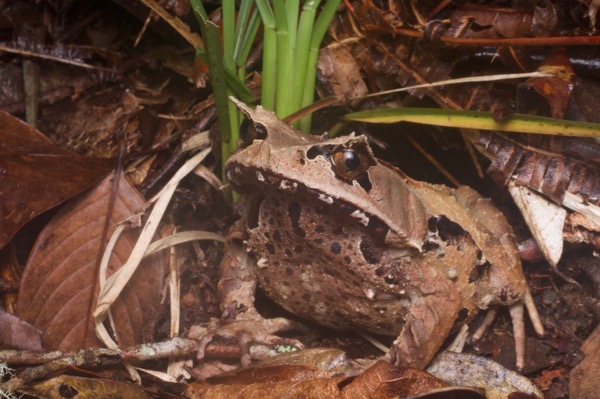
[240, 320]
[504, 283]
[435, 304]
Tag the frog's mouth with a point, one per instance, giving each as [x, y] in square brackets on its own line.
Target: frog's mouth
[245, 180]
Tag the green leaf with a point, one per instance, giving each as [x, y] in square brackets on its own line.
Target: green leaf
[479, 120]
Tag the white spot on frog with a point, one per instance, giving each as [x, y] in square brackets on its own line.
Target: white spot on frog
[326, 198]
[306, 277]
[259, 176]
[285, 185]
[361, 217]
[370, 293]
[320, 308]
[452, 273]
[262, 263]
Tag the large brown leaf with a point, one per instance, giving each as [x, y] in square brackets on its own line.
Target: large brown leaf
[58, 284]
[36, 175]
[380, 381]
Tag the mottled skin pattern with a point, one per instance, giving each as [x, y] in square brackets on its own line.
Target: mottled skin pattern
[356, 244]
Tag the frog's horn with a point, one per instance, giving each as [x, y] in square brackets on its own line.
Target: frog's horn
[243, 107]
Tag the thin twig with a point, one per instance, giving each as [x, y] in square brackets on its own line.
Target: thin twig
[89, 358]
[33, 54]
[434, 161]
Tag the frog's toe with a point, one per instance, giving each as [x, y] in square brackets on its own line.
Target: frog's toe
[256, 330]
[517, 316]
[518, 322]
[534, 316]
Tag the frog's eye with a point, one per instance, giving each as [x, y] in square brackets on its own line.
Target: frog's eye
[350, 164]
[250, 131]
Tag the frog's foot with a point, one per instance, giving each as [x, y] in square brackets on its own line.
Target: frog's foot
[516, 314]
[252, 329]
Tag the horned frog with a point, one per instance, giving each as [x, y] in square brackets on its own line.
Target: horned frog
[334, 235]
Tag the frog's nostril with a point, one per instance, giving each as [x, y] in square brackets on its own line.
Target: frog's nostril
[314, 152]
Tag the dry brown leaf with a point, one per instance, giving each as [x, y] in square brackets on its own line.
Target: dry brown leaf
[380, 381]
[329, 359]
[67, 386]
[269, 382]
[545, 220]
[340, 74]
[551, 92]
[584, 383]
[383, 380]
[488, 22]
[550, 164]
[16, 333]
[36, 175]
[58, 285]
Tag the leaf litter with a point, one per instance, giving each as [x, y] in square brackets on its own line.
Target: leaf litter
[386, 57]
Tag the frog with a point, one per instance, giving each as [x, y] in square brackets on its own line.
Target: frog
[337, 236]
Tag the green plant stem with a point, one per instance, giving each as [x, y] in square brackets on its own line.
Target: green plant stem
[308, 94]
[292, 8]
[240, 29]
[214, 54]
[318, 34]
[246, 45]
[285, 53]
[228, 10]
[269, 54]
[199, 11]
[269, 68]
[303, 40]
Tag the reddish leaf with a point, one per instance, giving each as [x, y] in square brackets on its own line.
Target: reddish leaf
[380, 381]
[58, 284]
[16, 333]
[35, 175]
[552, 92]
